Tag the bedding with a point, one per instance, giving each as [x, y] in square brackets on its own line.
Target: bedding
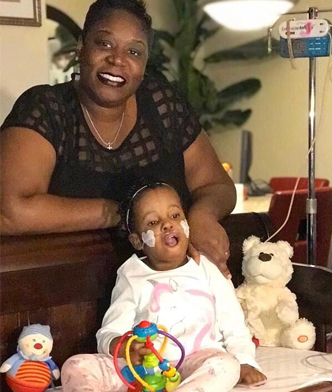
[287, 369]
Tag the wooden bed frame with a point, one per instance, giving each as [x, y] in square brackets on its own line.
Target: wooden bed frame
[65, 281]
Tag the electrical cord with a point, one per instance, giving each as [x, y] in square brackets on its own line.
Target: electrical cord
[321, 355]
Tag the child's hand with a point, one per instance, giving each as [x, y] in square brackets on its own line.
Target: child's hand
[249, 375]
[137, 350]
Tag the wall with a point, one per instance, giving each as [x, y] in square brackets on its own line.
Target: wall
[75, 9]
[280, 110]
[26, 51]
[23, 61]
[279, 120]
[160, 10]
[163, 14]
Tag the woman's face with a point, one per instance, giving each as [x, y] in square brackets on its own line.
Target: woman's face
[113, 58]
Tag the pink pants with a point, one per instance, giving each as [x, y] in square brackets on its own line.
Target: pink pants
[209, 370]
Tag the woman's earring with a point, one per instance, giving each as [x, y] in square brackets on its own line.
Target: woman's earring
[76, 66]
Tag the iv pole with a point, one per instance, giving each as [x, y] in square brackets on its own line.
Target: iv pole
[311, 200]
[311, 206]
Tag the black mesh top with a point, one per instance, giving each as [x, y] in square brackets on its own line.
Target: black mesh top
[166, 126]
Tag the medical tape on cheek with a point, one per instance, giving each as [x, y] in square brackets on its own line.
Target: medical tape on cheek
[185, 227]
[149, 238]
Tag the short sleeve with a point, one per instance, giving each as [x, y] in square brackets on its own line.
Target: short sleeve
[187, 120]
[32, 110]
[179, 119]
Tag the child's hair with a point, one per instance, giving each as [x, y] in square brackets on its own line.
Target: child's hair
[135, 193]
[100, 8]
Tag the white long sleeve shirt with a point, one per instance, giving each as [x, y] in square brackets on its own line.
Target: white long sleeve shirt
[196, 304]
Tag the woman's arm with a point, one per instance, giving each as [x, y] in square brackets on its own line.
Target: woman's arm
[211, 187]
[27, 164]
[214, 197]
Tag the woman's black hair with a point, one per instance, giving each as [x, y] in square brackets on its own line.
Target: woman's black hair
[135, 193]
[99, 9]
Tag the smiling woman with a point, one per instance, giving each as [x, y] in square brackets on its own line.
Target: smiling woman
[70, 152]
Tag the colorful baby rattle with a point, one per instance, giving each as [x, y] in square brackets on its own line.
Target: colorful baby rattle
[143, 377]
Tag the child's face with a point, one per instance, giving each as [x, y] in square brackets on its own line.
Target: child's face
[159, 215]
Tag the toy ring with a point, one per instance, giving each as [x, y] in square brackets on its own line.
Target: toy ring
[143, 377]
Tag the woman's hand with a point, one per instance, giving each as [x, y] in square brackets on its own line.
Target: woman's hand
[111, 214]
[210, 238]
[249, 376]
[137, 350]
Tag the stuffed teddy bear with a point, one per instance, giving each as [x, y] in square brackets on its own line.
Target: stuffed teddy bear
[31, 369]
[270, 308]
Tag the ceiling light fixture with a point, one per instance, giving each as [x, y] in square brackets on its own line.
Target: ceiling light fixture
[246, 14]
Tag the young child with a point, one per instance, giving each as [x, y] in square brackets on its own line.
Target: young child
[195, 302]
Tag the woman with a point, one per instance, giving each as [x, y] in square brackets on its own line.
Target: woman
[70, 152]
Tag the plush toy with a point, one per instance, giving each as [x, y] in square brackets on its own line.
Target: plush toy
[270, 308]
[31, 369]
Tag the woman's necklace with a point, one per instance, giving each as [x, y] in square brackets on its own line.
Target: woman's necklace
[107, 144]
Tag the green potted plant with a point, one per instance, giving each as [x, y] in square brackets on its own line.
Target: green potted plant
[214, 107]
